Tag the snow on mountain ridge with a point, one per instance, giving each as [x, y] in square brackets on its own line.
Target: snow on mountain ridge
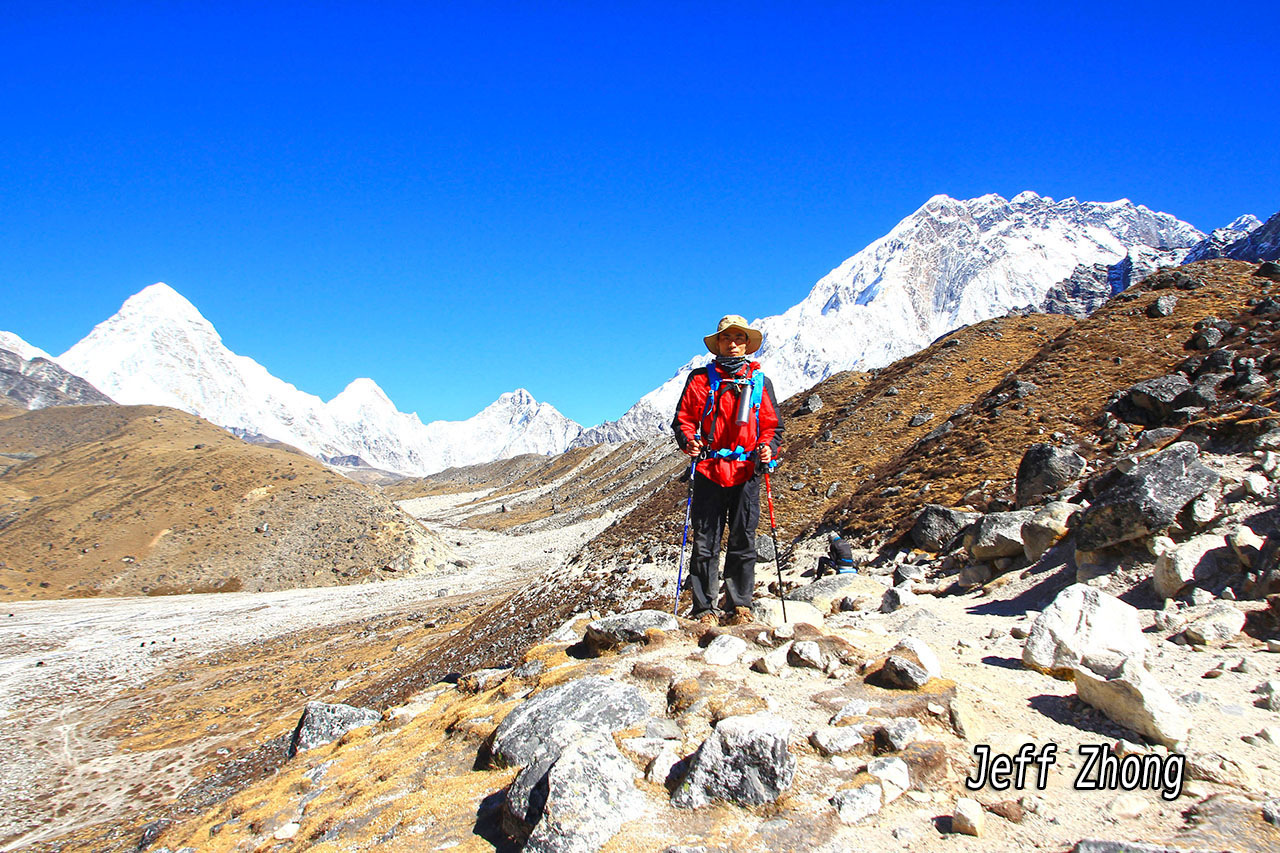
[16, 345]
[158, 349]
[949, 264]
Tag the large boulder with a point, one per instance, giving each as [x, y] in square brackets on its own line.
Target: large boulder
[936, 528]
[768, 611]
[323, 723]
[745, 761]
[1047, 527]
[1147, 499]
[1084, 625]
[1044, 470]
[997, 534]
[614, 631]
[576, 797]
[1150, 402]
[1220, 625]
[825, 593]
[1133, 697]
[596, 702]
[1194, 560]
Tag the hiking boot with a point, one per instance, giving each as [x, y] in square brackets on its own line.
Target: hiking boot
[740, 616]
[707, 617]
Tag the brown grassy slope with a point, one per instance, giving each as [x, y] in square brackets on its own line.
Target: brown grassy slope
[142, 499]
[867, 430]
[1074, 376]
[472, 478]
[879, 473]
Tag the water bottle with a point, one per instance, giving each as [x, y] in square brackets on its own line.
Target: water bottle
[744, 403]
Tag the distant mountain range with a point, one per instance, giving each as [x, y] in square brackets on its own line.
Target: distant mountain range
[949, 264]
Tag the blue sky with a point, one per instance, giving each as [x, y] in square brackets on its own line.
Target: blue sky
[458, 199]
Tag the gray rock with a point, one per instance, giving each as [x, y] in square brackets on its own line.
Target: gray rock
[920, 419]
[895, 598]
[1150, 402]
[900, 732]
[997, 534]
[824, 593]
[920, 652]
[858, 803]
[1084, 624]
[1162, 306]
[323, 723]
[1194, 560]
[1132, 697]
[596, 702]
[904, 673]
[1098, 845]
[745, 761]
[1147, 499]
[1220, 625]
[581, 800]
[1047, 527]
[811, 405]
[613, 631]
[806, 653]
[968, 817]
[845, 740]
[1157, 435]
[936, 528]
[724, 650]
[1045, 469]
[894, 776]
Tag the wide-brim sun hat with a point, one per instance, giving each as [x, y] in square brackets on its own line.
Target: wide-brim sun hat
[734, 321]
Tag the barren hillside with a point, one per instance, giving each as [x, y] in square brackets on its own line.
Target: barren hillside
[145, 500]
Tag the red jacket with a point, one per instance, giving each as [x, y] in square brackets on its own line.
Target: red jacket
[718, 428]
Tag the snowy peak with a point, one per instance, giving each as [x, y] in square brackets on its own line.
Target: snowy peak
[14, 344]
[362, 395]
[948, 264]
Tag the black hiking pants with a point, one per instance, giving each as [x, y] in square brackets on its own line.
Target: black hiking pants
[714, 507]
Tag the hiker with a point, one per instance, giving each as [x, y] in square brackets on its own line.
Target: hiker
[729, 415]
[839, 559]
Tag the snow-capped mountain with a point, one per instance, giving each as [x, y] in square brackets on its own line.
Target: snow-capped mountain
[16, 345]
[949, 264]
[158, 349]
[1213, 245]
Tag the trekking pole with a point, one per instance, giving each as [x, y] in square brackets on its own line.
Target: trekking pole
[688, 505]
[773, 528]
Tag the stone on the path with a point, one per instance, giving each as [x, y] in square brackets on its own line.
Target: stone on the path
[1132, 697]
[846, 740]
[899, 733]
[323, 723]
[997, 534]
[745, 761]
[825, 593]
[614, 631]
[852, 708]
[1147, 499]
[806, 653]
[596, 702]
[774, 662]
[1220, 625]
[968, 817]
[937, 527]
[923, 655]
[768, 611]
[1219, 769]
[1246, 545]
[724, 650]
[903, 673]
[897, 597]
[859, 802]
[1084, 624]
[894, 776]
[1194, 560]
[1045, 469]
[1047, 527]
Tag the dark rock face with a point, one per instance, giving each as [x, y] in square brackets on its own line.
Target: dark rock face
[1146, 499]
[595, 702]
[39, 383]
[1045, 469]
[576, 794]
[323, 723]
[1261, 244]
[745, 760]
[1080, 295]
[937, 527]
[1150, 402]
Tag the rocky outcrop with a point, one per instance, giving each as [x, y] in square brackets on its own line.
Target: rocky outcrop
[595, 702]
[323, 723]
[746, 760]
